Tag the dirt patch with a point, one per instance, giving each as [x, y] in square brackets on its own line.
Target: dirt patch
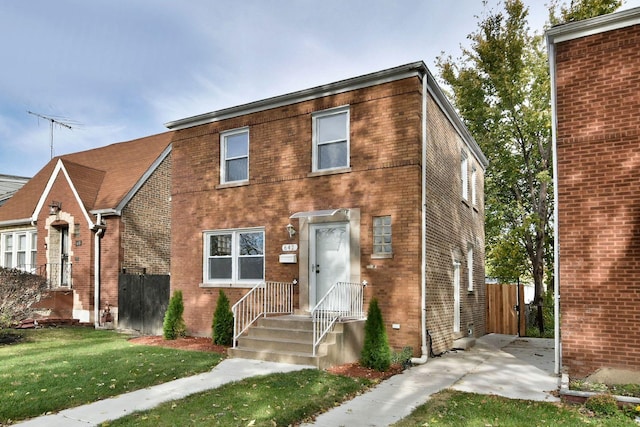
[205, 344]
[186, 343]
[358, 371]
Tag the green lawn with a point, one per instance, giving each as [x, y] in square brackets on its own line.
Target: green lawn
[456, 408]
[54, 369]
[270, 400]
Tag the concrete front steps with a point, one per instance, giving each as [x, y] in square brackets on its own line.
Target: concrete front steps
[289, 339]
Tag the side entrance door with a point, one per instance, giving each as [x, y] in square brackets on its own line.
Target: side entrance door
[64, 257]
[328, 258]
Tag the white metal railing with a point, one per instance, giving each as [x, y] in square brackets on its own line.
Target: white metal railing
[343, 301]
[263, 299]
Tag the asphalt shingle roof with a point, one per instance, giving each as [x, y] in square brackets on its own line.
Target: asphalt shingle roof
[102, 176]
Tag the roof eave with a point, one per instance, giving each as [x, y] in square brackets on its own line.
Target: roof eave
[14, 222]
[372, 79]
[599, 24]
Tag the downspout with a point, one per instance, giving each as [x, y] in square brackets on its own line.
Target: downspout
[556, 225]
[99, 230]
[423, 229]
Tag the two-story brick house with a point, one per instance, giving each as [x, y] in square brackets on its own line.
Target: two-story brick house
[371, 180]
[86, 216]
[595, 75]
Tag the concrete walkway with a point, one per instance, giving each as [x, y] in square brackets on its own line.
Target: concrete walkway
[513, 367]
[519, 368]
[227, 371]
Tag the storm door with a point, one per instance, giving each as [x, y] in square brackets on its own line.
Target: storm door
[328, 258]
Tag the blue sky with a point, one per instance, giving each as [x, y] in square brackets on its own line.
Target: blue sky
[118, 70]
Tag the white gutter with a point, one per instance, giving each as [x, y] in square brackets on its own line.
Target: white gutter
[12, 222]
[556, 225]
[99, 230]
[423, 230]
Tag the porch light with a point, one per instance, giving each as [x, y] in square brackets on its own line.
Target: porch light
[291, 230]
[54, 208]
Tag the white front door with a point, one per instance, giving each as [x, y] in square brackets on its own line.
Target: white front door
[328, 258]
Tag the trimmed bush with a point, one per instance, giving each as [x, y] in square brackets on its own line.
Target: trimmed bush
[602, 404]
[376, 353]
[222, 325]
[173, 325]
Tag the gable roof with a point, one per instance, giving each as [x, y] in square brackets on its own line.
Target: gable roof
[104, 178]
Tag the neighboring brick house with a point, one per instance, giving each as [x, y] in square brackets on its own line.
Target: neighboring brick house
[101, 210]
[595, 75]
[341, 167]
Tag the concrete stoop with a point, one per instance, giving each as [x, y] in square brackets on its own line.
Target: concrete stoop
[289, 339]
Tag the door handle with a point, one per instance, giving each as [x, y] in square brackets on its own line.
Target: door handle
[315, 268]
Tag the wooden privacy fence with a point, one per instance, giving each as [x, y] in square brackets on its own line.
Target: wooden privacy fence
[504, 303]
[142, 302]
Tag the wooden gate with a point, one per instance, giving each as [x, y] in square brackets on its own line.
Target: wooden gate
[142, 302]
[505, 309]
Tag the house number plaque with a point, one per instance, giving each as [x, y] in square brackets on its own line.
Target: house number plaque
[290, 247]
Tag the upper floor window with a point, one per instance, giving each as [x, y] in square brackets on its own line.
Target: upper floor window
[234, 158]
[382, 237]
[464, 175]
[234, 256]
[19, 250]
[331, 139]
[474, 190]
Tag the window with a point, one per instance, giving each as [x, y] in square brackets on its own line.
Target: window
[456, 297]
[8, 251]
[382, 237]
[234, 256]
[474, 177]
[234, 149]
[470, 269]
[18, 250]
[33, 259]
[331, 139]
[464, 170]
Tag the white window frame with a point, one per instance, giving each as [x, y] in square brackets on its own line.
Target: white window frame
[474, 190]
[223, 155]
[456, 297]
[380, 232]
[235, 257]
[470, 269]
[345, 110]
[464, 174]
[29, 250]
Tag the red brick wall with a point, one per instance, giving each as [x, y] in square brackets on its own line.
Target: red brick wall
[385, 126]
[598, 105]
[452, 226]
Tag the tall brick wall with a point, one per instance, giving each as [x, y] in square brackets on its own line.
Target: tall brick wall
[598, 139]
[146, 224]
[384, 179]
[453, 225]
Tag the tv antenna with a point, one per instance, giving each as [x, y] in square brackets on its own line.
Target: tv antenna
[52, 121]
